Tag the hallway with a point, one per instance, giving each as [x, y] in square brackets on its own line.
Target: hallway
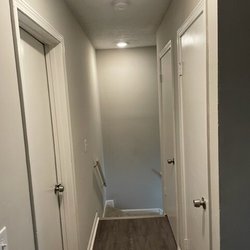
[111, 109]
[135, 234]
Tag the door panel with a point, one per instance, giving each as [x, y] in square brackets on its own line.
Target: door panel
[168, 143]
[193, 89]
[40, 142]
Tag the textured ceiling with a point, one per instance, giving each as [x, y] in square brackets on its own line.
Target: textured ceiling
[105, 25]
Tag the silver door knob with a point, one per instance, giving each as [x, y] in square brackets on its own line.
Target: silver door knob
[59, 188]
[171, 161]
[200, 203]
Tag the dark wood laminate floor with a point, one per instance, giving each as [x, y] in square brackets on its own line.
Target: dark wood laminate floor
[135, 234]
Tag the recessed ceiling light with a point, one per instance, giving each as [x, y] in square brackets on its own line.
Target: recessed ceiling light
[120, 5]
[122, 44]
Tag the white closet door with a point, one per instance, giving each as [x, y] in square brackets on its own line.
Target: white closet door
[168, 141]
[40, 143]
[193, 96]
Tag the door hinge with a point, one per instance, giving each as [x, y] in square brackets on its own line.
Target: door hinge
[180, 68]
[186, 244]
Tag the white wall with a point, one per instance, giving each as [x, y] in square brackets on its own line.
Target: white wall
[85, 118]
[129, 107]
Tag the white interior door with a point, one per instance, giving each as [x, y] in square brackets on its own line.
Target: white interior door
[193, 102]
[40, 143]
[168, 142]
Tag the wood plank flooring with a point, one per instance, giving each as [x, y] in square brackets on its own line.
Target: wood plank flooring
[135, 234]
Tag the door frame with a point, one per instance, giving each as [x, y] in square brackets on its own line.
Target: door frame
[168, 48]
[208, 9]
[24, 16]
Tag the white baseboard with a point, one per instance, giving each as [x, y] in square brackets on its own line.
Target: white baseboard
[140, 212]
[109, 203]
[93, 232]
[145, 210]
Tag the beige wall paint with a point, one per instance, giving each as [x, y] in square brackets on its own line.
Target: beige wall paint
[129, 107]
[176, 14]
[85, 122]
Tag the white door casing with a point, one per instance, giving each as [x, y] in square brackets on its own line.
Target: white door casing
[28, 19]
[193, 115]
[168, 136]
[40, 139]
